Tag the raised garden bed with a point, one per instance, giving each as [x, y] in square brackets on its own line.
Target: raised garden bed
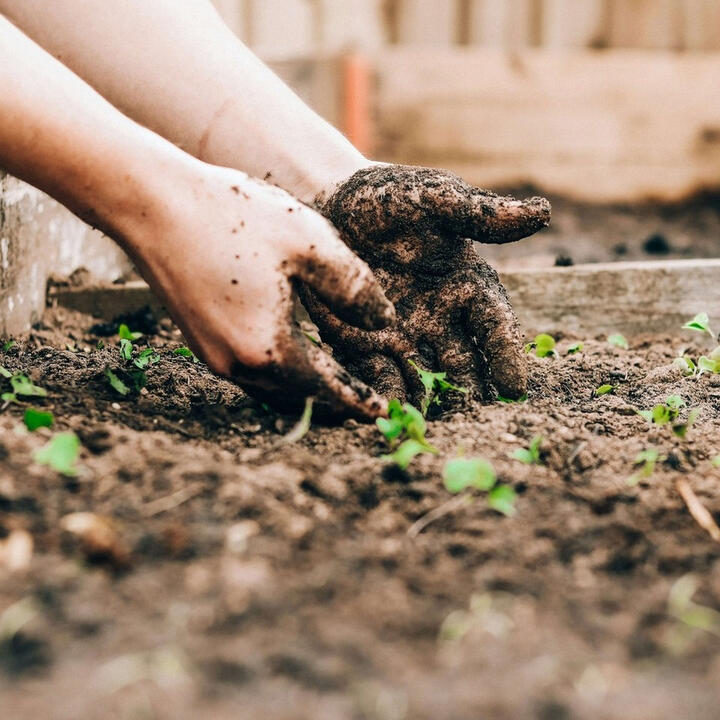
[244, 577]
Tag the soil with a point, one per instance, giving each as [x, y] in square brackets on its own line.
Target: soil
[244, 577]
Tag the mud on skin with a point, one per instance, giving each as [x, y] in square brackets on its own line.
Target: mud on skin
[415, 227]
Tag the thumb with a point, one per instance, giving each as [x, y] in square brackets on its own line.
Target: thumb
[345, 282]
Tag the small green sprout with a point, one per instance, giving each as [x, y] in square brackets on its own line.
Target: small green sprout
[461, 474]
[682, 607]
[710, 364]
[35, 419]
[21, 385]
[4, 372]
[618, 340]
[680, 429]
[715, 462]
[603, 390]
[435, 386]
[302, 427]
[521, 399]
[100, 344]
[186, 352]
[116, 383]
[664, 413]
[647, 459]
[575, 348]
[147, 357]
[531, 454]
[406, 423]
[7, 345]
[126, 349]
[543, 345]
[61, 453]
[686, 365]
[125, 333]
[700, 323]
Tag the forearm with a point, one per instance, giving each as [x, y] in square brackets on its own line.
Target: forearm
[176, 68]
[61, 136]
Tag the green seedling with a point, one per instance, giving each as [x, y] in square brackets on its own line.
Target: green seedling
[126, 349]
[7, 345]
[462, 474]
[575, 348]
[680, 429]
[683, 608]
[686, 365]
[531, 454]
[521, 399]
[21, 385]
[699, 323]
[664, 413]
[603, 390]
[405, 424]
[710, 364]
[435, 386]
[618, 340]
[543, 345]
[100, 345]
[126, 334]
[186, 352]
[35, 419]
[116, 383]
[302, 427]
[147, 357]
[647, 459]
[61, 454]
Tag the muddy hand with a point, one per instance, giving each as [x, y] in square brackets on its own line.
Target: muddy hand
[415, 227]
[226, 260]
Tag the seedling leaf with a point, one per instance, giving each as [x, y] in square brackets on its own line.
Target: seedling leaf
[463, 473]
[116, 383]
[186, 352]
[126, 349]
[502, 399]
[502, 499]
[5, 372]
[681, 428]
[700, 323]
[575, 348]
[710, 364]
[405, 452]
[531, 454]
[302, 427]
[125, 333]
[35, 419]
[435, 386]
[604, 390]
[647, 459]
[686, 365]
[618, 340]
[544, 346]
[8, 345]
[61, 453]
[147, 357]
[22, 385]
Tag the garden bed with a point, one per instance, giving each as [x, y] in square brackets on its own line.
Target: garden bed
[242, 577]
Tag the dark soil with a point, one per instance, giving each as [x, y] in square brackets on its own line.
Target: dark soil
[588, 233]
[279, 582]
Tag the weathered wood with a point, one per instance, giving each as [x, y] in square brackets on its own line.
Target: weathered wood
[608, 126]
[630, 298]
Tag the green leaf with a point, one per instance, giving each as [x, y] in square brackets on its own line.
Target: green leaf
[390, 428]
[521, 399]
[35, 419]
[686, 365]
[5, 372]
[604, 390]
[116, 383]
[675, 402]
[145, 358]
[9, 397]
[544, 345]
[100, 345]
[618, 340]
[575, 348]
[186, 352]
[405, 453]
[302, 427]
[700, 323]
[22, 385]
[61, 453]
[648, 459]
[435, 386]
[8, 345]
[681, 429]
[531, 455]
[462, 473]
[710, 364]
[502, 499]
[125, 333]
[126, 349]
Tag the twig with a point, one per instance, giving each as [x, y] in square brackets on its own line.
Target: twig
[699, 512]
[170, 502]
[445, 509]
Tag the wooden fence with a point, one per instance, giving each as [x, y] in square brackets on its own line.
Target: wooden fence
[297, 28]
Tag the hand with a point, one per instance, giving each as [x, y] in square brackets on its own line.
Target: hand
[415, 227]
[224, 254]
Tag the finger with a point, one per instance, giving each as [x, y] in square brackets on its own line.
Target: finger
[462, 365]
[381, 373]
[409, 199]
[345, 282]
[497, 332]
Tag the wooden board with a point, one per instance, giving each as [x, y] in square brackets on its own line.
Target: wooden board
[629, 298]
[610, 126]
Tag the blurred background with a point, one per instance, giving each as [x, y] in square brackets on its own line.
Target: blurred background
[611, 107]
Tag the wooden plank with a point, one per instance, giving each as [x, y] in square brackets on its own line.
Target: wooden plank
[584, 299]
[629, 298]
[607, 126]
[281, 29]
[423, 23]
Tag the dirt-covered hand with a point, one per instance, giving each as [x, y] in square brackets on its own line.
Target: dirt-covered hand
[415, 227]
[225, 255]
